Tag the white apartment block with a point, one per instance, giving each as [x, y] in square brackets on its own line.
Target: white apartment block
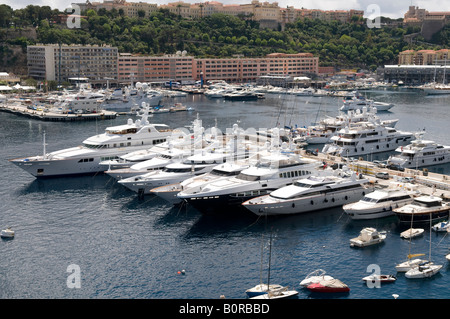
[61, 62]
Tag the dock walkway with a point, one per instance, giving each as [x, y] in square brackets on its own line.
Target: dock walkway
[54, 116]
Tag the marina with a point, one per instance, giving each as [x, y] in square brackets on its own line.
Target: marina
[132, 247]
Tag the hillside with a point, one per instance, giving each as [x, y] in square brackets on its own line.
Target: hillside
[337, 44]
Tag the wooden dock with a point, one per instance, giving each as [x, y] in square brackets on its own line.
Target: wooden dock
[42, 115]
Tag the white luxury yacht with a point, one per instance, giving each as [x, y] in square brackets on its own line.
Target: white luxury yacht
[381, 202]
[273, 170]
[175, 173]
[318, 191]
[219, 172]
[129, 98]
[330, 126]
[366, 138]
[356, 101]
[86, 158]
[420, 153]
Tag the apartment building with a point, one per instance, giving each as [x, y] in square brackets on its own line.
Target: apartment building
[138, 68]
[424, 57]
[183, 68]
[61, 62]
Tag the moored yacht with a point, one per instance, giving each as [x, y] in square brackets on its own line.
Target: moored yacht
[174, 173]
[420, 153]
[159, 161]
[366, 138]
[423, 209]
[273, 170]
[380, 202]
[219, 172]
[86, 158]
[356, 101]
[330, 126]
[316, 192]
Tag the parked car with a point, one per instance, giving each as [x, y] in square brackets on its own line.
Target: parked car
[407, 179]
[382, 175]
[395, 167]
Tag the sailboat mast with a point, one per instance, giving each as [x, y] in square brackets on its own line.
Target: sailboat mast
[270, 257]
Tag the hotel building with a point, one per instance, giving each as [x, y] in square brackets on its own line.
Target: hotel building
[424, 57]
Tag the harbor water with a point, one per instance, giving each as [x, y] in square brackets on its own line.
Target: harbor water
[122, 246]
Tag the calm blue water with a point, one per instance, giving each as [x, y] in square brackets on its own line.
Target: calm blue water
[128, 247]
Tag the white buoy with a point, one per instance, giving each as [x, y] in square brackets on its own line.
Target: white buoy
[395, 296]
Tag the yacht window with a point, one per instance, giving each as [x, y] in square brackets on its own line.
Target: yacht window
[246, 177]
[300, 184]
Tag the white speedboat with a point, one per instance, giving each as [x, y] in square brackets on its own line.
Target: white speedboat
[86, 158]
[219, 172]
[273, 171]
[420, 153]
[309, 194]
[366, 138]
[443, 226]
[367, 237]
[411, 233]
[380, 202]
[422, 209]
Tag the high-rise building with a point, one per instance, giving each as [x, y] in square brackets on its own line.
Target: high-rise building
[61, 62]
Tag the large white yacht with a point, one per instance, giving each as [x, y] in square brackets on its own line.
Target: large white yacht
[82, 101]
[122, 100]
[86, 158]
[420, 153]
[161, 159]
[366, 138]
[193, 165]
[356, 101]
[381, 202]
[272, 171]
[219, 172]
[330, 126]
[316, 192]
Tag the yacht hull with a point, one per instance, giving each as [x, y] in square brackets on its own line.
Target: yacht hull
[305, 204]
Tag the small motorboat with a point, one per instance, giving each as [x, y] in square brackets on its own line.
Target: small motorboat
[262, 289]
[332, 285]
[447, 257]
[368, 236]
[443, 226]
[411, 233]
[379, 278]
[315, 277]
[7, 233]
